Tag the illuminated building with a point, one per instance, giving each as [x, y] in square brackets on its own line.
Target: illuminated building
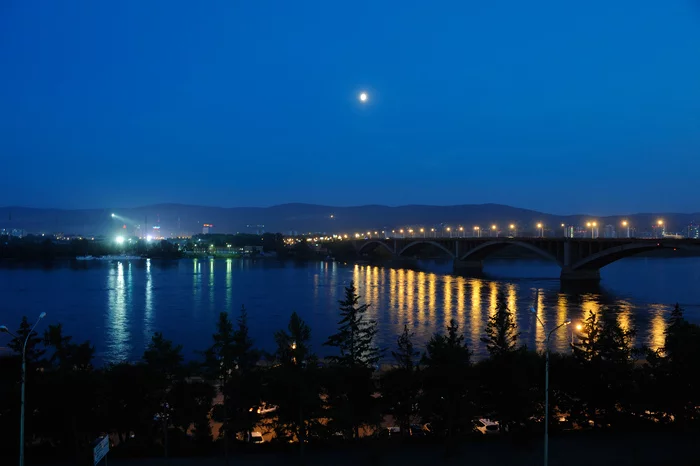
[206, 228]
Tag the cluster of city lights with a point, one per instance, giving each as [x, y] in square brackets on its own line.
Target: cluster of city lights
[459, 231]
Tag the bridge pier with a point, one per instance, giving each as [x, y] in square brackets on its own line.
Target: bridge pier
[580, 275]
[468, 267]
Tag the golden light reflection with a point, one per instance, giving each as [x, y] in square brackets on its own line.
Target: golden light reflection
[410, 299]
[539, 308]
[624, 317]
[493, 298]
[447, 298]
[393, 286]
[512, 302]
[401, 278]
[476, 313]
[461, 298]
[432, 296]
[421, 297]
[562, 309]
[657, 329]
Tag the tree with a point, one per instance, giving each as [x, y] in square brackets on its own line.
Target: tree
[501, 330]
[220, 361]
[673, 372]
[69, 416]
[401, 384]
[605, 360]
[355, 337]
[350, 386]
[33, 351]
[294, 384]
[447, 382]
[244, 384]
[505, 377]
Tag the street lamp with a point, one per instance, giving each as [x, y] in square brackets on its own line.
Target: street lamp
[626, 224]
[4, 329]
[477, 230]
[432, 230]
[449, 230]
[546, 382]
[563, 227]
[511, 227]
[660, 224]
[461, 231]
[422, 230]
[541, 228]
[495, 228]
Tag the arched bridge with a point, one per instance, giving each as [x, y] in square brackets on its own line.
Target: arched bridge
[579, 258]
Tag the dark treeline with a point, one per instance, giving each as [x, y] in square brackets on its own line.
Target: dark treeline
[33, 247]
[162, 405]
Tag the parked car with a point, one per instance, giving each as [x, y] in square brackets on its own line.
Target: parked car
[256, 437]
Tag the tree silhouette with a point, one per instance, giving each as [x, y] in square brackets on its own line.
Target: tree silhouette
[447, 376]
[350, 385]
[501, 330]
[401, 384]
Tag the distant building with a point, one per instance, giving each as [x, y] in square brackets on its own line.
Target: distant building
[693, 231]
[206, 228]
[609, 232]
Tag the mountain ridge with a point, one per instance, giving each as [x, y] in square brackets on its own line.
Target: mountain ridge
[174, 218]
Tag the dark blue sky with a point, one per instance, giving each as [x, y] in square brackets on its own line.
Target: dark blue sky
[590, 107]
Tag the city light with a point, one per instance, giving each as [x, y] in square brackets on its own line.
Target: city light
[512, 227]
[113, 215]
[539, 225]
[660, 222]
[624, 223]
[493, 227]
[363, 97]
[119, 239]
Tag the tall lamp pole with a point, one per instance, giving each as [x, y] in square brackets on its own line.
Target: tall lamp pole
[546, 383]
[4, 329]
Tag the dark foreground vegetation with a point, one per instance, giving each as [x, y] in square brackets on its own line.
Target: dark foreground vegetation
[312, 410]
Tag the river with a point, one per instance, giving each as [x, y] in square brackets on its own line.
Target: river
[119, 305]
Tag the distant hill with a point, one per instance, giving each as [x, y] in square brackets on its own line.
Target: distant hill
[304, 218]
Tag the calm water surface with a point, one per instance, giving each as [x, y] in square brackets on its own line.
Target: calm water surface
[118, 305]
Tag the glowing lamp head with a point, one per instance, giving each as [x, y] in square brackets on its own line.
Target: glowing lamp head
[493, 227]
[363, 97]
[539, 225]
[119, 239]
[660, 222]
[512, 227]
[624, 223]
[113, 215]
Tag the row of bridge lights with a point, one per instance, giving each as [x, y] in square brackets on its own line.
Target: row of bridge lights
[494, 228]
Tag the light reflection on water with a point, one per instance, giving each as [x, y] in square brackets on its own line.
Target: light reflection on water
[119, 305]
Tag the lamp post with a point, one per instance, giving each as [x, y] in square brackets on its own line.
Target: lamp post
[494, 228]
[512, 229]
[541, 228]
[563, 227]
[477, 230]
[546, 383]
[626, 224]
[4, 329]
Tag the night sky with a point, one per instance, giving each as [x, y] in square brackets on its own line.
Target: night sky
[565, 107]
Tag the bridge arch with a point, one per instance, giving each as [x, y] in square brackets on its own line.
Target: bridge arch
[607, 256]
[371, 245]
[432, 243]
[484, 250]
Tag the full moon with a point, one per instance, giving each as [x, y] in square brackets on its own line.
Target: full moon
[363, 97]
